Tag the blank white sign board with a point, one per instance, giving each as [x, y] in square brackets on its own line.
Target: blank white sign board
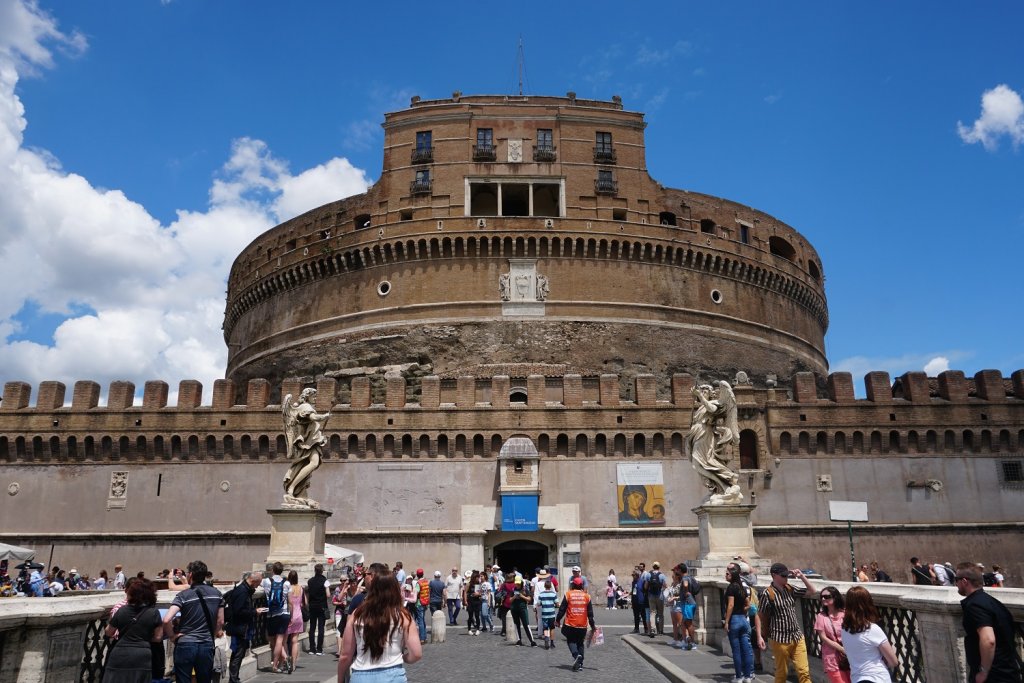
[847, 511]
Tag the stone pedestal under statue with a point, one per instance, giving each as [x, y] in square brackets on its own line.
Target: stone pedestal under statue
[725, 532]
[297, 538]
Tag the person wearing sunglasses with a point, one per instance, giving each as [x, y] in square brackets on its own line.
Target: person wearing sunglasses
[829, 625]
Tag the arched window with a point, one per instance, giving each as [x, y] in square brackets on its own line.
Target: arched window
[748, 449]
[839, 442]
[639, 445]
[781, 247]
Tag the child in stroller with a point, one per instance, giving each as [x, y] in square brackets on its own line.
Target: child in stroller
[621, 598]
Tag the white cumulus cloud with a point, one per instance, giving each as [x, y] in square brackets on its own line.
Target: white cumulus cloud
[143, 300]
[936, 365]
[1002, 114]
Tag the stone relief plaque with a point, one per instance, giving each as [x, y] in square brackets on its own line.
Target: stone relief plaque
[523, 291]
[515, 151]
[117, 498]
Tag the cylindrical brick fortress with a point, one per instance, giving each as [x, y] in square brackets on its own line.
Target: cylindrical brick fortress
[525, 231]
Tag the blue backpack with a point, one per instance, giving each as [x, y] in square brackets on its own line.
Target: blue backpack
[275, 601]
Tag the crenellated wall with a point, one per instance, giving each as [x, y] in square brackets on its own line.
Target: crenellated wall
[196, 475]
[471, 416]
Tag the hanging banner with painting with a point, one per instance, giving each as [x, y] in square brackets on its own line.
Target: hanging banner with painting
[641, 494]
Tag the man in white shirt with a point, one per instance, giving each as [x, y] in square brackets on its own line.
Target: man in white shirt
[453, 595]
[119, 580]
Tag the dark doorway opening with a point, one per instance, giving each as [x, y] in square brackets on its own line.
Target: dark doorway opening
[522, 555]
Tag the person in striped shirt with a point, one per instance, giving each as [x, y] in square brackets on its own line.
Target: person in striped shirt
[547, 602]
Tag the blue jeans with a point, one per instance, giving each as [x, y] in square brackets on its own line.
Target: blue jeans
[421, 621]
[454, 607]
[392, 674]
[189, 656]
[742, 651]
[485, 615]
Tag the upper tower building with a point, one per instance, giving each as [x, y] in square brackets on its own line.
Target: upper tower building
[525, 232]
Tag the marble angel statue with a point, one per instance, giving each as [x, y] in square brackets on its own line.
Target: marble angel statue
[303, 428]
[713, 433]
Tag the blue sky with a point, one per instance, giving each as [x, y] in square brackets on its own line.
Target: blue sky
[143, 143]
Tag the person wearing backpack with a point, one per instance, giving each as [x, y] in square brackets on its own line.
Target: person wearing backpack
[656, 599]
[239, 621]
[277, 591]
[202, 619]
[688, 591]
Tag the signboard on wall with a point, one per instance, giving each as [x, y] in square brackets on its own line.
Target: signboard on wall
[640, 494]
[519, 513]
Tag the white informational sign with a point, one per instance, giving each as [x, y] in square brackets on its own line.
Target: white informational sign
[847, 511]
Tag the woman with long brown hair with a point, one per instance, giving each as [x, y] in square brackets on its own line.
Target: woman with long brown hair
[868, 648]
[380, 636]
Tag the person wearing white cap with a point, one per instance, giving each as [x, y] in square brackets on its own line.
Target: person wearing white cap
[436, 587]
[577, 572]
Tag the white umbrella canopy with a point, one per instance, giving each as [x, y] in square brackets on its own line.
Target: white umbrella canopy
[14, 554]
[338, 554]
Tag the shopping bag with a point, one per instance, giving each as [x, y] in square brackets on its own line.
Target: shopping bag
[595, 637]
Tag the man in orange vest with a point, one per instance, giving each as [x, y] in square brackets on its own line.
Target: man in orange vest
[575, 613]
[422, 602]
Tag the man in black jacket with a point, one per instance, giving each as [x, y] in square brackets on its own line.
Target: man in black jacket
[317, 596]
[241, 622]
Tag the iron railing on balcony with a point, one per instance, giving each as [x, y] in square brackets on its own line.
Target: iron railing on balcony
[423, 155]
[484, 152]
[544, 153]
[602, 186]
[604, 155]
[420, 187]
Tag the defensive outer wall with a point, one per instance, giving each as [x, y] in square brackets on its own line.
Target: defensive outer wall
[937, 460]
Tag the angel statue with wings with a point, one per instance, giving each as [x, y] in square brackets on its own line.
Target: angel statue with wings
[713, 431]
[304, 431]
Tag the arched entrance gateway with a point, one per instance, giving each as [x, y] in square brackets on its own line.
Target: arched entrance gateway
[523, 555]
[522, 534]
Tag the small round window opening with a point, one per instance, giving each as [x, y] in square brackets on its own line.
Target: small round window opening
[384, 288]
[716, 296]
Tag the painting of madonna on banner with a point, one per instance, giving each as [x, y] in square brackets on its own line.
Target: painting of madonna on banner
[641, 494]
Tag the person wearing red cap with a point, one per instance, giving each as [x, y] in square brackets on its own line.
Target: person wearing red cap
[575, 613]
[422, 603]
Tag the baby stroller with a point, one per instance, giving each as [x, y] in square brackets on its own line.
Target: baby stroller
[621, 598]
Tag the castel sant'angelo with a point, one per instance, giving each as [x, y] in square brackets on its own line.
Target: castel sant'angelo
[506, 329]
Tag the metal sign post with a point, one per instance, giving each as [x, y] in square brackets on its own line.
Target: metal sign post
[849, 511]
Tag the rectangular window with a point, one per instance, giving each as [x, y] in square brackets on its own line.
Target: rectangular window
[421, 185]
[544, 150]
[744, 234]
[424, 151]
[605, 183]
[604, 153]
[483, 150]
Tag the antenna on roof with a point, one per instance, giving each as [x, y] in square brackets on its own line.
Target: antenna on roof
[521, 61]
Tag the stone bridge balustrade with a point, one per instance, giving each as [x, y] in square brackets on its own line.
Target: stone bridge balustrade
[922, 622]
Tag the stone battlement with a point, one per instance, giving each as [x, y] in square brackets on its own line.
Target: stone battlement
[570, 391]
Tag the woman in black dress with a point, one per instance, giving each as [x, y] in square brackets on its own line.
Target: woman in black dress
[139, 623]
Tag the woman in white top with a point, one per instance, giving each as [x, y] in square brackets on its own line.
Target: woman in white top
[380, 637]
[867, 647]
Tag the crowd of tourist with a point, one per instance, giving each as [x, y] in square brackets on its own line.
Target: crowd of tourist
[381, 615]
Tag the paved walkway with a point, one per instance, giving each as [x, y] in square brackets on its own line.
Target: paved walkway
[487, 658]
